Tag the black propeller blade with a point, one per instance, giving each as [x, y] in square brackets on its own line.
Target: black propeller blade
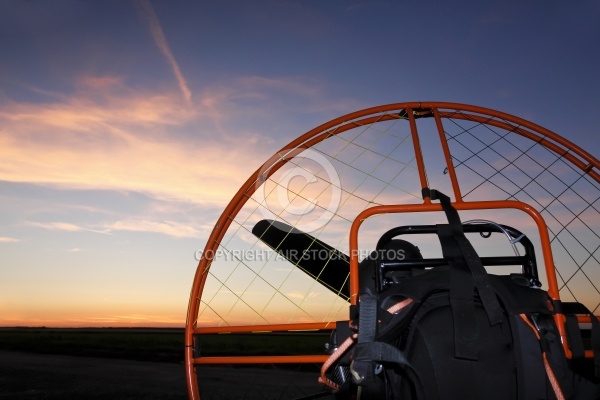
[322, 262]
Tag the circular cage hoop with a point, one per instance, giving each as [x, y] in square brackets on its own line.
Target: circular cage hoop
[377, 157]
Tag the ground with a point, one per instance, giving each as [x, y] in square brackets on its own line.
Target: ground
[28, 376]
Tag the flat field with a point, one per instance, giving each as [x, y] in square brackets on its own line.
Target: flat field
[147, 363]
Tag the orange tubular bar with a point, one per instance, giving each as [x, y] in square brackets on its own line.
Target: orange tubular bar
[316, 326]
[310, 359]
[418, 154]
[447, 156]
[478, 205]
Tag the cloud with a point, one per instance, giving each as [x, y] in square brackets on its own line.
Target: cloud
[62, 226]
[118, 139]
[302, 95]
[55, 226]
[147, 12]
[4, 239]
[107, 136]
[169, 228]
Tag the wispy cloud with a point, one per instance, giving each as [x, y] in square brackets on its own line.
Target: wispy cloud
[118, 139]
[108, 136]
[169, 228]
[55, 226]
[148, 14]
[63, 226]
[4, 239]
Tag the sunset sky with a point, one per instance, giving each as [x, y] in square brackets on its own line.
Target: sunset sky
[127, 126]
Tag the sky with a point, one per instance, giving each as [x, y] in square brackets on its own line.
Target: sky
[127, 126]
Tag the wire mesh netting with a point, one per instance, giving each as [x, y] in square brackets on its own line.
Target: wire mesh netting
[251, 284]
[496, 163]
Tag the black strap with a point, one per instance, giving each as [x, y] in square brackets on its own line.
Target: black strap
[466, 274]
[367, 317]
[367, 355]
[466, 329]
[480, 275]
[574, 336]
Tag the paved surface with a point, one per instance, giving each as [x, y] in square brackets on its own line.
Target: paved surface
[28, 376]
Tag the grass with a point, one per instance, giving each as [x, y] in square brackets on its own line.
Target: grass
[127, 343]
[154, 344]
[258, 344]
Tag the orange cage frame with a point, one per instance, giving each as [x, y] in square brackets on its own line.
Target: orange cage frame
[552, 141]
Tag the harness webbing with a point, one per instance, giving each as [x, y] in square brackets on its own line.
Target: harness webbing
[335, 356]
[549, 372]
[348, 343]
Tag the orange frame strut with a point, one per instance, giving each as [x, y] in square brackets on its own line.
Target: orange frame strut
[461, 206]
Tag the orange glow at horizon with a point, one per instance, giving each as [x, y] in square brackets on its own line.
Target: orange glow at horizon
[97, 319]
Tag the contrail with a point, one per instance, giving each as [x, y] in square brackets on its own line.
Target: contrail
[149, 15]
